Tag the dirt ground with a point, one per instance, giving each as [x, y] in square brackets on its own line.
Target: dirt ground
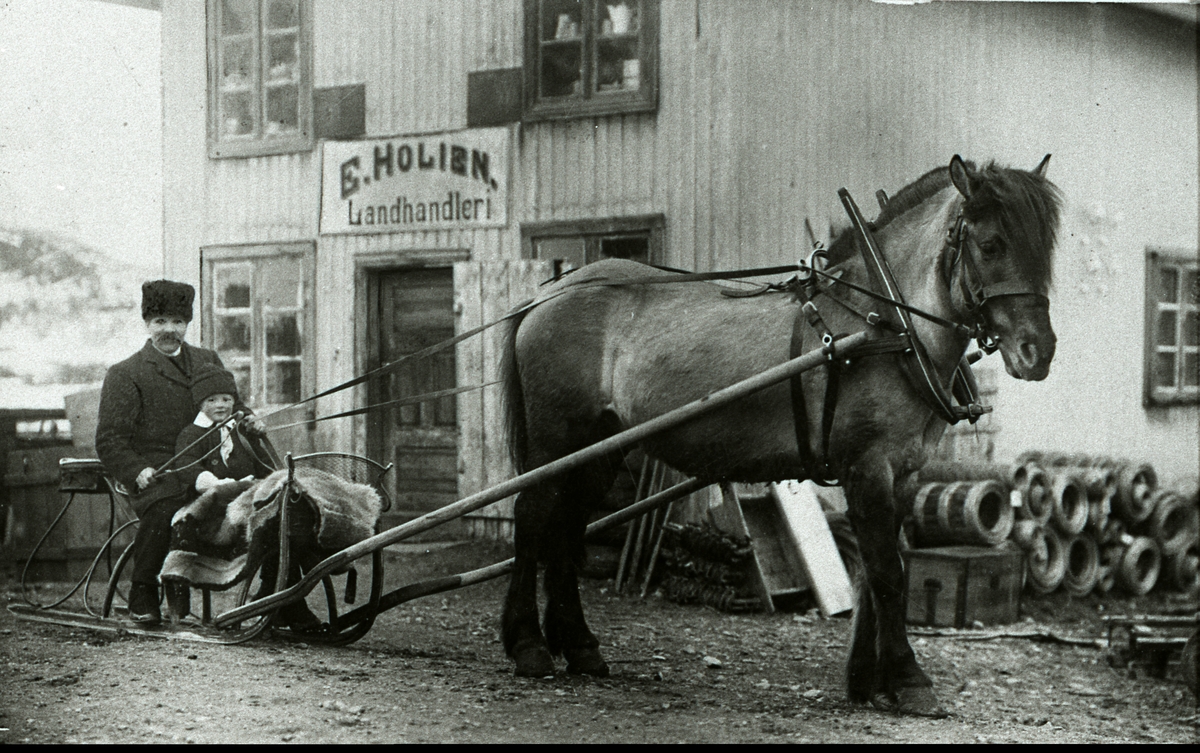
[433, 671]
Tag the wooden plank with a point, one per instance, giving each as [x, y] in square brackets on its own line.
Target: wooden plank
[805, 522]
[468, 308]
[496, 466]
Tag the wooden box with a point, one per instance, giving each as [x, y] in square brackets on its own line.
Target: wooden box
[956, 586]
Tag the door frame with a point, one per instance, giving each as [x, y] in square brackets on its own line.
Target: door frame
[367, 269]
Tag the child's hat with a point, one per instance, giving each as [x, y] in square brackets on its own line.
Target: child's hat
[213, 380]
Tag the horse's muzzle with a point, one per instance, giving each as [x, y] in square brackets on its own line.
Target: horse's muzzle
[1028, 358]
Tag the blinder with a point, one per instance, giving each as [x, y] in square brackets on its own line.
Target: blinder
[975, 292]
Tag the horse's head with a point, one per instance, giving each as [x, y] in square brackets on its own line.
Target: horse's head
[998, 260]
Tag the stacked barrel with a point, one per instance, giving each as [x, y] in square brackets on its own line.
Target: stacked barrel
[1086, 524]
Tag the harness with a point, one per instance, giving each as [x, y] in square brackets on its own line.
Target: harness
[960, 402]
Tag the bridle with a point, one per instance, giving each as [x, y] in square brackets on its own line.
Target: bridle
[975, 291]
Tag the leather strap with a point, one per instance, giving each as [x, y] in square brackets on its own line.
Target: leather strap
[919, 367]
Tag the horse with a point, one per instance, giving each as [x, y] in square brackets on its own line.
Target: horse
[612, 346]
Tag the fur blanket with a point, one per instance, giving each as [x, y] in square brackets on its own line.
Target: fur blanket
[221, 537]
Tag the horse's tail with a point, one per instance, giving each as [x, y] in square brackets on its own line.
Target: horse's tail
[512, 396]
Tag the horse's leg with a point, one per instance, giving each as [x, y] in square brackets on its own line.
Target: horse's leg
[565, 625]
[899, 682]
[523, 640]
[860, 667]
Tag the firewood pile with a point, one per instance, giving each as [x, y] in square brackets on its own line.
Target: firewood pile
[705, 565]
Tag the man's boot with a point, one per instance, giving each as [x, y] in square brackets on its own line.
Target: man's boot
[143, 604]
[299, 618]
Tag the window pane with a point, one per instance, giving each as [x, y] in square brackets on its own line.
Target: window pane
[233, 335]
[1191, 293]
[636, 248]
[281, 58]
[561, 19]
[283, 103]
[282, 14]
[283, 382]
[1168, 285]
[618, 67]
[237, 16]
[1164, 369]
[237, 110]
[1165, 332]
[241, 375]
[1191, 369]
[619, 18]
[279, 282]
[561, 75]
[237, 64]
[283, 335]
[570, 250]
[1191, 331]
[233, 286]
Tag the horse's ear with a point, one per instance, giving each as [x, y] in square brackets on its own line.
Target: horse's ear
[958, 176]
[1044, 165]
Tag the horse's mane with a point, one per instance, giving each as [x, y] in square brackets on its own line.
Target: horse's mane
[1028, 205]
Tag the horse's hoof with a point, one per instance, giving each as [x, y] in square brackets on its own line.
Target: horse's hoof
[919, 701]
[586, 661]
[884, 702]
[534, 662]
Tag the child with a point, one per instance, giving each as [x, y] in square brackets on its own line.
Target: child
[206, 467]
[219, 457]
[206, 461]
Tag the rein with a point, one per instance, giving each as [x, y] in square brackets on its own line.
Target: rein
[517, 311]
[975, 293]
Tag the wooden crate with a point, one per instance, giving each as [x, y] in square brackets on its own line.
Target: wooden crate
[955, 586]
[793, 549]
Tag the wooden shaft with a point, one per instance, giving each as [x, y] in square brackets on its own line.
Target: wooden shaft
[622, 440]
[470, 578]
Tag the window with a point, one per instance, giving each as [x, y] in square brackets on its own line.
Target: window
[259, 77]
[590, 57]
[258, 316]
[574, 243]
[1172, 370]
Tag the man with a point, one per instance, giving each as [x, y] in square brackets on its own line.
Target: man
[144, 404]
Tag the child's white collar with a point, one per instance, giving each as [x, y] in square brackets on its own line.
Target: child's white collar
[203, 421]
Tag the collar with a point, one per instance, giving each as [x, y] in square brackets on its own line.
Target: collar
[204, 422]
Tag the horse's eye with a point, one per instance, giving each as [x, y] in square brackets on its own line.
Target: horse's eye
[993, 247]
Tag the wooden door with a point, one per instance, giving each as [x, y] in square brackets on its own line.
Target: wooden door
[413, 309]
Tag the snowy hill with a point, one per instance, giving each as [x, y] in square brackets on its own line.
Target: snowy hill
[67, 312]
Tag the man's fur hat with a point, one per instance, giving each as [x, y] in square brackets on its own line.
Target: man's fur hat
[213, 380]
[167, 298]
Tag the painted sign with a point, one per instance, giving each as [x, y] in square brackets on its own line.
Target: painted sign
[428, 182]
